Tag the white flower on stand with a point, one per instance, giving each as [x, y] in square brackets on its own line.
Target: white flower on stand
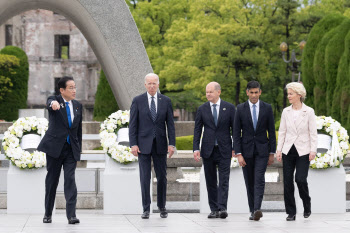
[234, 162]
[108, 135]
[326, 160]
[11, 142]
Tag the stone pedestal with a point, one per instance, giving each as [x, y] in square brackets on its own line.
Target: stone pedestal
[327, 190]
[26, 191]
[237, 197]
[122, 190]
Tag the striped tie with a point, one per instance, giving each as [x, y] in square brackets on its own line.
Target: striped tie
[153, 109]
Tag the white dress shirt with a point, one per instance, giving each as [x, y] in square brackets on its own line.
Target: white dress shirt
[150, 100]
[70, 108]
[257, 109]
[217, 107]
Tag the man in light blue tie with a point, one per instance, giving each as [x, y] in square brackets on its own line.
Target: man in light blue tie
[255, 145]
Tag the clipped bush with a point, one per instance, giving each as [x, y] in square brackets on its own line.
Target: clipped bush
[7, 63]
[17, 98]
[314, 38]
[184, 142]
[105, 103]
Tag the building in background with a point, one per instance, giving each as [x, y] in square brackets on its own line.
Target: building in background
[55, 48]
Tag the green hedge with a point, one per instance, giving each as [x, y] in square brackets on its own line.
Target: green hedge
[314, 38]
[334, 51]
[17, 99]
[7, 63]
[105, 103]
[184, 142]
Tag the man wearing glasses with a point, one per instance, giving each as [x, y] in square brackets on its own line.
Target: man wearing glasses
[62, 145]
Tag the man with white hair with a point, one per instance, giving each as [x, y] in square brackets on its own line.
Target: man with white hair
[151, 114]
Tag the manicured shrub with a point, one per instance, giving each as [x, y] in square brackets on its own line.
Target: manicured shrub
[184, 142]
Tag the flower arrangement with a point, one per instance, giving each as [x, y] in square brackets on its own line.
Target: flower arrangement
[340, 145]
[12, 138]
[108, 134]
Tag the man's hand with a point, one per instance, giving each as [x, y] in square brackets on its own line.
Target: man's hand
[55, 105]
[171, 151]
[312, 155]
[233, 154]
[271, 159]
[197, 155]
[279, 156]
[135, 150]
[241, 160]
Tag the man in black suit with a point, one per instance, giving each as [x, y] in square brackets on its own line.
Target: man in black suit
[217, 118]
[255, 145]
[62, 145]
[150, 115]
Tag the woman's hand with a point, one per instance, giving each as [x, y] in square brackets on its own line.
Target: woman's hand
[312, 155]
[279, 156]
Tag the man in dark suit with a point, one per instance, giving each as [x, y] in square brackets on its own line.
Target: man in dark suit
[255, 145]
[150, 115]
[62, 145]
[217, 118]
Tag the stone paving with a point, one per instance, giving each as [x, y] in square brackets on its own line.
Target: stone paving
[94, 221]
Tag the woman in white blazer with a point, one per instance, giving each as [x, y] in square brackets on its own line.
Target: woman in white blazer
[297, 145]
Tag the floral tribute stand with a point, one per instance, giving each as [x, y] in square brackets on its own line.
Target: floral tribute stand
[27, 172]
[327, 177]
[122, 190]
[25, 191]
[237, 194]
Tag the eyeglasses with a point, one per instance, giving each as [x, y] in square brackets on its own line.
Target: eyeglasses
[71, 88]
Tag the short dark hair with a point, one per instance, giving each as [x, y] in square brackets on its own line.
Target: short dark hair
[62, 83]
[253, 84]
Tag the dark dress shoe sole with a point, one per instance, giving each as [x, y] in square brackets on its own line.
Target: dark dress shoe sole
[145, 216]
[47, 221]
[223, 215]
[73, 222]
[306, 215]
[257, 215]
[290, 219]
[163, 215]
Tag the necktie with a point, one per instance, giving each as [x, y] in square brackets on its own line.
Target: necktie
[215, 116]
[153, 109]
[69, 119]
[255, 120]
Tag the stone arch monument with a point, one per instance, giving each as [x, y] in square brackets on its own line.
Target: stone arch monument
[111, 32]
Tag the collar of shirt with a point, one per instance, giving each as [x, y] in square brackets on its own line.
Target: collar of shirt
[69, 102]
[251, 104]
[149, 96]
[217, 103]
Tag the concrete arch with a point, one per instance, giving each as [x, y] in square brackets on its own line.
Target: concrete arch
[111, 32]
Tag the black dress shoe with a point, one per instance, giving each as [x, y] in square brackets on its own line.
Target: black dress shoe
[213, 214]
[163, 213]
[307, 214]
[290, 217]
[47, 219]
[223, 214]
[257, 215]
[145, 215]
[73, 220]
[251, 217]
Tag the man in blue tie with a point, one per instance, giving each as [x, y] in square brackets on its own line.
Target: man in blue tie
[151, 126]
[255, 145]
[217, 118]
[62, 145]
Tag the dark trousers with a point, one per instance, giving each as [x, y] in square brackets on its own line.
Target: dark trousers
[217, 193]
[54, 167]
[300, 164]
[254, 176]
[159, 163]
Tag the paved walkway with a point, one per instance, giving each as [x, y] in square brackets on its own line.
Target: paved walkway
[94, 221]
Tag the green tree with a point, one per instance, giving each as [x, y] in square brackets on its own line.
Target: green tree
[7, 63]
[17, 99]
[105, 103]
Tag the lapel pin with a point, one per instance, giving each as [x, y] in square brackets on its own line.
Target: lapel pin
[224, 109]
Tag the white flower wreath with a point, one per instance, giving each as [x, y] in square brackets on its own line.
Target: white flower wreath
[108, 135]
[234, 162]
[340, 145]
[12, 138]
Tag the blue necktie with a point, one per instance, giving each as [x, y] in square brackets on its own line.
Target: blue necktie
[255, 120]
[69, 119]
[215, 116]
[153, 109]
